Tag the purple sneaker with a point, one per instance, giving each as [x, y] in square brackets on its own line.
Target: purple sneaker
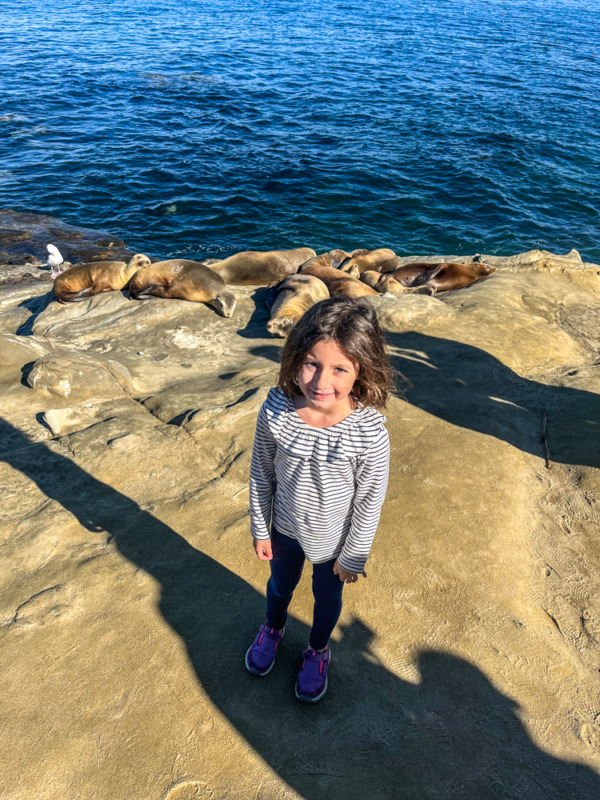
[261, 653]
[311, 684]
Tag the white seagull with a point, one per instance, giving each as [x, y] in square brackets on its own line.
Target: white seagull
[54, 261]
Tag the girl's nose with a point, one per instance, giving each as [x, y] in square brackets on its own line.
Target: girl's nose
[319, 380]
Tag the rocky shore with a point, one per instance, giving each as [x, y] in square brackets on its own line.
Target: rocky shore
[465, 666]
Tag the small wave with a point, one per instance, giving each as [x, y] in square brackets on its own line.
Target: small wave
[39, 130]
[13, 118]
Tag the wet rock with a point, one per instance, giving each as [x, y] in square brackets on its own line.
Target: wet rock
[9, 235]
[24, 237]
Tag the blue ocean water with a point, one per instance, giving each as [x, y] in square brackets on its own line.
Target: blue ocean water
[193, 127]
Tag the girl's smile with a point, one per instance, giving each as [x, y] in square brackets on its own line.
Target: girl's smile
[326, 379]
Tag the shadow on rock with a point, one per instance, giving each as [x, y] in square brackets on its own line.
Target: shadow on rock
[256, 327]
[36, 305]
[470, 388]
[270, 351]
[374, 736]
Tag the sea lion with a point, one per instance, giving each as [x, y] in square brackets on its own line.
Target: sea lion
[338, 282]
[261, 268]
[95, 277]
[443, 277]
[332, 259]
[295, 295]
[338, 257]
[382, 260]
[382, 283]
[182, 279]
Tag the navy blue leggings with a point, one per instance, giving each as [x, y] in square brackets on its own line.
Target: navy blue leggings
[286, 569]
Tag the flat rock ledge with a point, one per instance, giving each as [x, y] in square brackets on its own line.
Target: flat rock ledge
[465, 666]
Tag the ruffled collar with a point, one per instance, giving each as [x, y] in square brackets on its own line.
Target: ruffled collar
[347, 439]
[360, 414]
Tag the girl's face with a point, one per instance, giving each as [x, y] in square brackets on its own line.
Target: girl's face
[326, 378]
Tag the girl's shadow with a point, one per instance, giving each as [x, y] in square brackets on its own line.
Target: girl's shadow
[374, 735]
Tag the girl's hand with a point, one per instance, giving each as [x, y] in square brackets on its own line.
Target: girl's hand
[344, 575]
[263, 549]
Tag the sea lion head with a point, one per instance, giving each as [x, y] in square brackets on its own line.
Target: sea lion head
[139, 261]
[281, 326]
[350, 268]
[389, 285]
[371, 277]
[338, 257]
[224, 303]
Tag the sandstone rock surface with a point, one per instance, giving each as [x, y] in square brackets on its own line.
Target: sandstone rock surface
[465, 666]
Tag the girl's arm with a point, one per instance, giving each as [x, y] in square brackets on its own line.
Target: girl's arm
[263, 549]
[344, 575]
[262, 479]
[371, 486]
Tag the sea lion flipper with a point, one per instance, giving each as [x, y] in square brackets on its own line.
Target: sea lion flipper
[152, 290]
[77, 297]
[424, 276]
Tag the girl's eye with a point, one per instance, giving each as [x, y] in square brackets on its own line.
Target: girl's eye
[341, 369]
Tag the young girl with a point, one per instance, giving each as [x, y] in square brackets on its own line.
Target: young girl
[319, 474]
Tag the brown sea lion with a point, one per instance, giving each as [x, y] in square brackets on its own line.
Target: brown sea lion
[182, 279]
[332, 260]
[443, 277]
[338, 257]
[338, 282]
[95, 277]
[382, 283]
[295, 295]
[382, 260]
[261, 268]
[351, 287]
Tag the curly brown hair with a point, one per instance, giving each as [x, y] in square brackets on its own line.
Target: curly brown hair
[352, 324]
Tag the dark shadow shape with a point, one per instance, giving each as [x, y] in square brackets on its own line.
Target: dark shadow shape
[245, 396]
[374, 735]
[256, 327]
[36, 305]
[39, 417]
[270, 351]
[26, 372]
[471, 388]
[185, 416]
[180, 419]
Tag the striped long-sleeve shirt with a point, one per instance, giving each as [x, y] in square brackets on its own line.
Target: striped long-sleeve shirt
[323, 487]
